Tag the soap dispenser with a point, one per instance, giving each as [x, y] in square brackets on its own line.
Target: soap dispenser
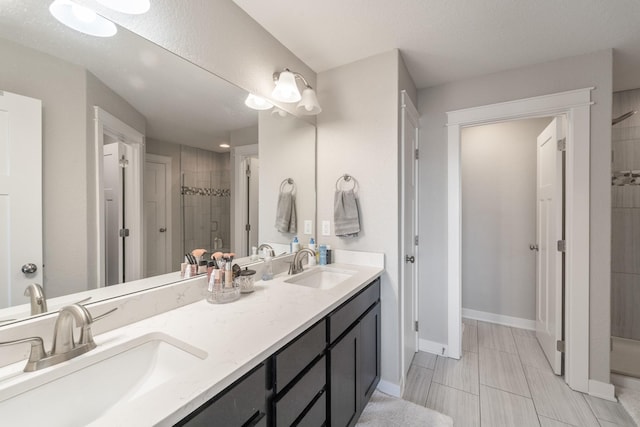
[267, 273]
[312, 246]
[295, 245]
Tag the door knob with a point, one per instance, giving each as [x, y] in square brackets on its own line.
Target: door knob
[163, 229]
[29, 268]
[533, 247]
[409, 259]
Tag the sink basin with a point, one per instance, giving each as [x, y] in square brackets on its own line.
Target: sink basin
[321, 278]
[83, 389]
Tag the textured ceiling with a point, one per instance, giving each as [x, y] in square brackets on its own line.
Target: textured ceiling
[448, 40]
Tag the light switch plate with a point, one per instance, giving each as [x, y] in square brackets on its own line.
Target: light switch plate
[308, 224]
[326, 228]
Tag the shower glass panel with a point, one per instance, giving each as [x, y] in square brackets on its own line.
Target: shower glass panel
[206, 200]
[625, 239]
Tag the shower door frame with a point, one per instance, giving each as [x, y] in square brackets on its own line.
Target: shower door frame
[576, 106]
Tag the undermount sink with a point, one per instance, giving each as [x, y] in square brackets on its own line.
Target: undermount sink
[86, 388]
[321, 277]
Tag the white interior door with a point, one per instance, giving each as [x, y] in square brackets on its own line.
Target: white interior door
[157, 200]
[114, 206]
[20, 195]
[253, 190]
[409, 248]
[549, 230]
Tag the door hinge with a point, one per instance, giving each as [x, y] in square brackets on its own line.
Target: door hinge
[247, 227]
[248, 170]
[124, 232]
[561, 346]
[562, 245]
[417, 154]
[415, 241]
[562, 144]
[415, 326]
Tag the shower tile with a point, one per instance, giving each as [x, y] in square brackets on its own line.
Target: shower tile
[625, 299]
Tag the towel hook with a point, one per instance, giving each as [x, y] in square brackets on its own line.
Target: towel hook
[285, 182]
[346, 178]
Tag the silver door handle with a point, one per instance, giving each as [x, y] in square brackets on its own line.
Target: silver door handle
[409, 259]
[533, 247]
[29, 268]
[163, 229]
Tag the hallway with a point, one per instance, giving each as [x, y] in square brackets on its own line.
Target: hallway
[504, 379]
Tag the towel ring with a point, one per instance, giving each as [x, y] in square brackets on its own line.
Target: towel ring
[285, 182]
[346, 178]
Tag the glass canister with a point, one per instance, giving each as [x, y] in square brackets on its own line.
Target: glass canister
[246, 279]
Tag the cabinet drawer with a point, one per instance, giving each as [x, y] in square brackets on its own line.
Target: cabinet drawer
[317, 415]
[344, 316]
[289, 406]
[242, 402]
[296, 356]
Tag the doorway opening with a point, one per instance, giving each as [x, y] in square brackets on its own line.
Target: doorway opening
[575, 105]
[512, 219]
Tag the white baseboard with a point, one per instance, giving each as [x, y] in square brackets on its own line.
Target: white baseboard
[389, 388]
[500, 319]
[433, 347]
[602, 390]
[625, 381]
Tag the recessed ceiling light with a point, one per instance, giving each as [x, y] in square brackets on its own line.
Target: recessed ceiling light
[224, 146]
[82, 19]
[133, 7]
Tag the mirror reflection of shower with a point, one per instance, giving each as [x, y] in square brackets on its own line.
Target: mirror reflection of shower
[205, 199]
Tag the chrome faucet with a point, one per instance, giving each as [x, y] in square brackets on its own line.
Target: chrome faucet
[38, 302]
[64, 347]
[272, 253]
[296, 265]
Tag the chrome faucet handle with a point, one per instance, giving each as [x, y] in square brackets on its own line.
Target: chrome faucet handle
[37, 351]
[36, 295]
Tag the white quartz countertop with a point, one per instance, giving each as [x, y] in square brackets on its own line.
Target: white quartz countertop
[236, 337]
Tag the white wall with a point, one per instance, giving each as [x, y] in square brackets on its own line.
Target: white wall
[498, 165]
[551, 77]
[358, 135]
[287, 149]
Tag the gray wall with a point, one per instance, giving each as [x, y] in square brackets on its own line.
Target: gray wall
[358, 134]
[625, 219]
[68, 94]
[592, 70]
[499, 217]
[60, 86]
[287, 149]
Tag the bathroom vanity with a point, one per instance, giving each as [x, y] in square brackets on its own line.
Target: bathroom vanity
[300, 349]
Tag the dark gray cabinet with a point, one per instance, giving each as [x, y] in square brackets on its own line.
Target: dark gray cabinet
[325, 376]
[354, 357]
[241, 404]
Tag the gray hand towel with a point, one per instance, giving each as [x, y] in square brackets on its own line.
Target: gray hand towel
[286, 221]
[346, 214]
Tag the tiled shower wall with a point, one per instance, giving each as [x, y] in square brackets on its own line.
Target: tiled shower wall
[206, 199]
[625, 218]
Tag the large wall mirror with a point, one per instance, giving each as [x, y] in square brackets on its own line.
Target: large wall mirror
[134, 171]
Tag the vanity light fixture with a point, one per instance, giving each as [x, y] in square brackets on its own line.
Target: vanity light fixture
[278, 112]
[257, 103]
[82, 19]
[224, 146]
[133, 7]
[286, 90]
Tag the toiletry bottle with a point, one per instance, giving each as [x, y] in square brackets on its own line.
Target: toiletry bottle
[312, 246]
[295, 245]
[323, 254]
[329, 254]
[268, 267]
[254, 254]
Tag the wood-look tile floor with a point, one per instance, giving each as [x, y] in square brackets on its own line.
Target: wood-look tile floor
[504, 380]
